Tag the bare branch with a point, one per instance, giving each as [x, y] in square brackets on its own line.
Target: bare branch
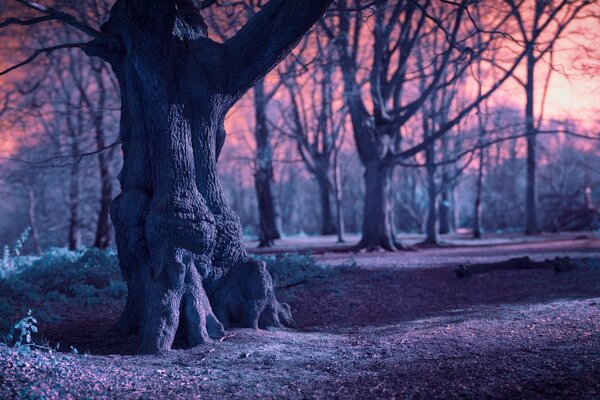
[63, 17]
[46, 51]
[27, 22]
[76, 158]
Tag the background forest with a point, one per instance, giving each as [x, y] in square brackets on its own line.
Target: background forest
[458, 109]
[465, 131]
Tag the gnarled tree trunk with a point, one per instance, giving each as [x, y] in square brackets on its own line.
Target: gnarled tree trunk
[180, 245]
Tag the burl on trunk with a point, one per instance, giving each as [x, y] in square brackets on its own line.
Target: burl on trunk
[180, 245]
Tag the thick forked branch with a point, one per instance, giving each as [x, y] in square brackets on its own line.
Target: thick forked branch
[266, 39]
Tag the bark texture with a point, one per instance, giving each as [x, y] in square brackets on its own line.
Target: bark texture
[531, 227]
[180, 245]
[268, 206]
[378, 227]
[102, 238]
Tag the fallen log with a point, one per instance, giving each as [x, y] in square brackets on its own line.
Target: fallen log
[559, 264]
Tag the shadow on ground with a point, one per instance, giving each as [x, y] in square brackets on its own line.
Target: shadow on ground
[385, 296]
[369, 298]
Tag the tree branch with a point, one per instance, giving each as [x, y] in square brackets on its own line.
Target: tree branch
[266, 39]
[38, 52]
[75, 157]
[26, 22]
[63, 17]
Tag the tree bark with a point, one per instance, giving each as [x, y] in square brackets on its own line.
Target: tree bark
[531, 227]
[180, 245]
[339, 217]
[378, 225]
[327, 224]
[268, 206]
[74, 238]
[477, 204]
[102, 238]
[431, 224]
[32, 221]
[74, 235]
[445, 210]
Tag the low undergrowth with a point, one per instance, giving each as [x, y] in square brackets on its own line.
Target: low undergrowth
[57, 281]
[60, 281]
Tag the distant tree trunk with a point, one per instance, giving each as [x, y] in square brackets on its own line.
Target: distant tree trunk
[431, 224]
[268, 207]
[32, 221]
[327, 224]
[180, 245]
[75, 129]
[479, 182]
[531, 191]
[478, 193]
[337, 185]
[378, 225]
[102, 238]
[74, 238]
[445, 208]
[428, 123]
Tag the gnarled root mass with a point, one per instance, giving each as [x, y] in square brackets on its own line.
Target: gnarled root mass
[180, 245]
[179, 286]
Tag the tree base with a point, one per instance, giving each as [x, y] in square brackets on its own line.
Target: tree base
[263, 244]
[384, 244]
[174, 304]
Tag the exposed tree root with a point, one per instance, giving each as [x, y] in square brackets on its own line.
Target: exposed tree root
[245, 297]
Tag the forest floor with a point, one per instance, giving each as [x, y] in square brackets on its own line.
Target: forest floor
[378, 325]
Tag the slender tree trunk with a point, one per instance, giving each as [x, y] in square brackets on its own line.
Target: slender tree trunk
[378, 225]
[445, 209]
[327, 224]
[32, 221]
[531, 191]
[268, 207]
[431, 224]
[478, 193]
[269, 219]
[337, 185]
[429, 118]
[74, 238]
[102, 238]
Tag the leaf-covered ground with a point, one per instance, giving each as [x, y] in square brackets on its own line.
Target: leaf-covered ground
[371, 326]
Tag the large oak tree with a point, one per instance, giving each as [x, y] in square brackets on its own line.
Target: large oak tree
[180, 244]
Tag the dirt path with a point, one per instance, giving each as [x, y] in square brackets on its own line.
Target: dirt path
[382, 330]
[542, 351]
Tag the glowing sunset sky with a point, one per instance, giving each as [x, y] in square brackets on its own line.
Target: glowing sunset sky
[572, 95]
